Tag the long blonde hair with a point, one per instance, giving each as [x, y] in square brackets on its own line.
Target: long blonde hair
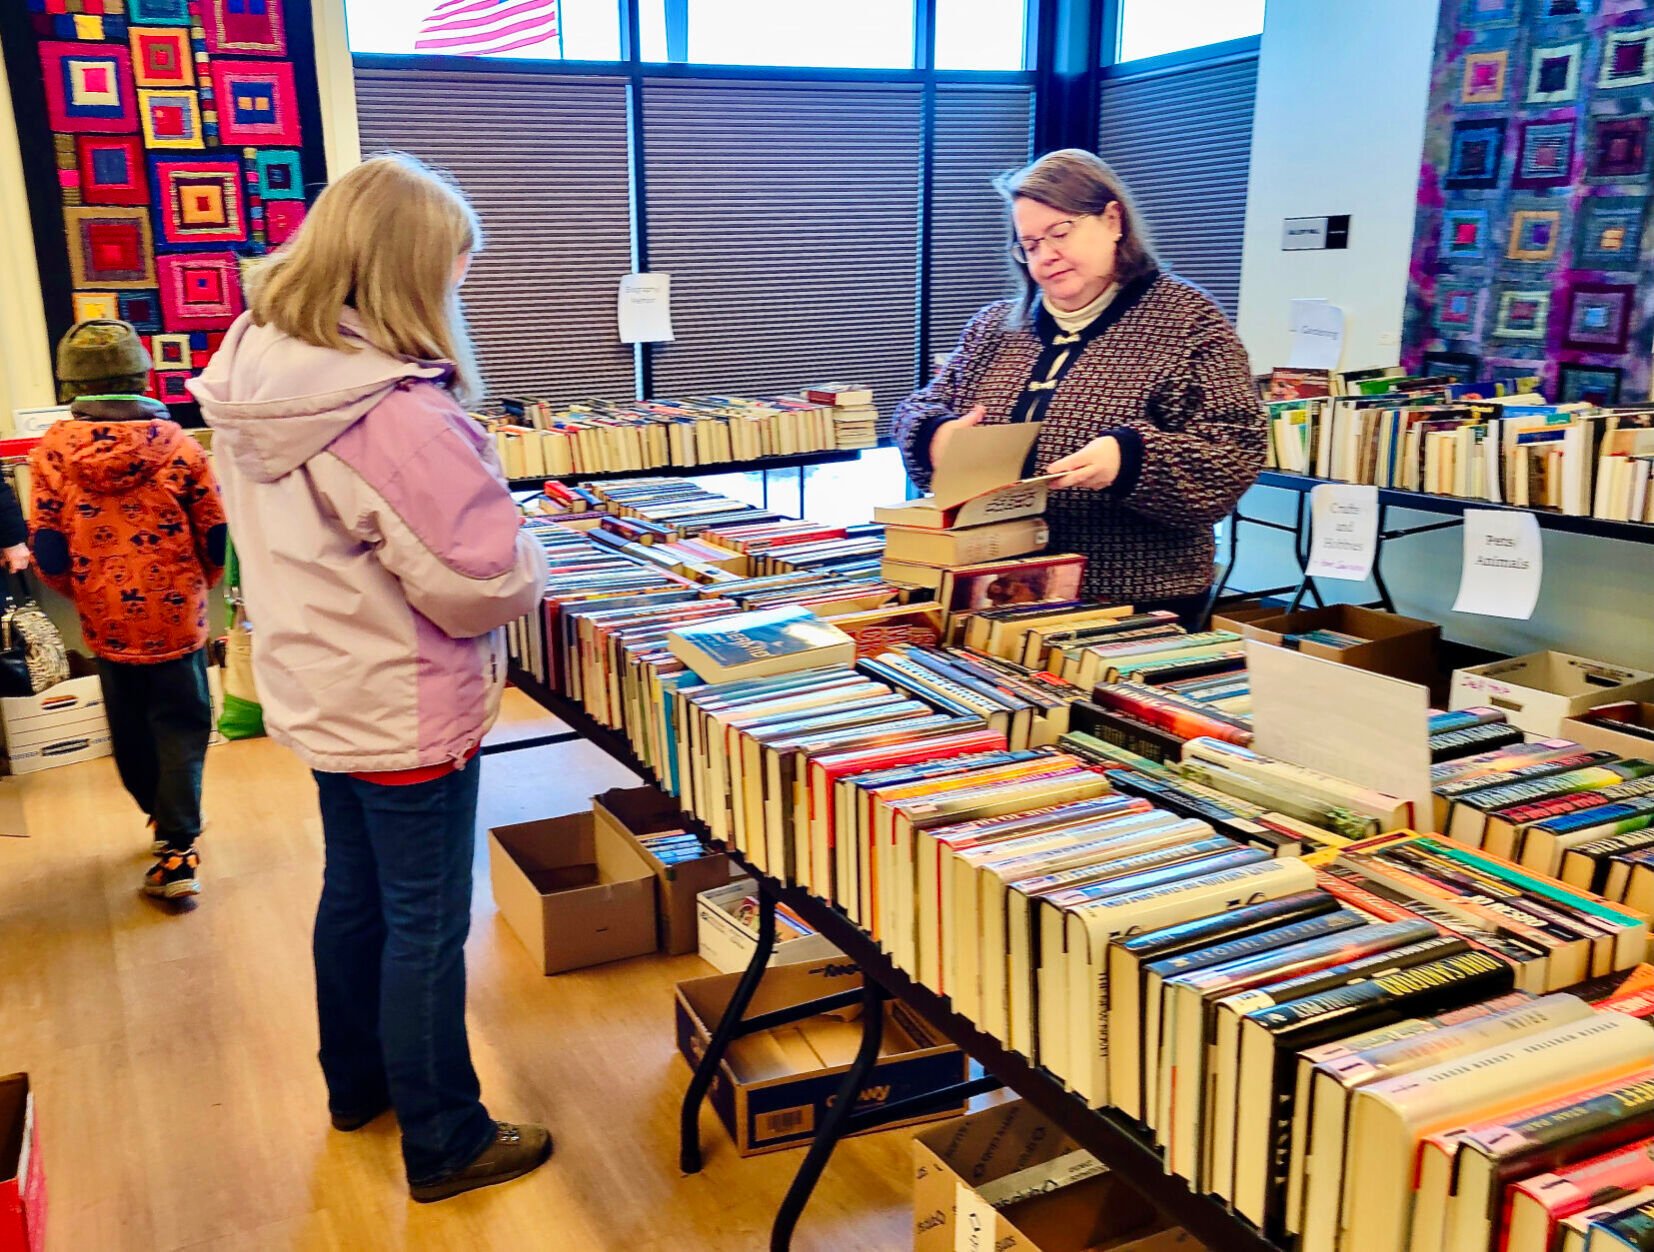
[1076, 181]
[382, 240]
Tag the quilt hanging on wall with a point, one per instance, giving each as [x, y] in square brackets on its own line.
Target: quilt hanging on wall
[1531, 250]
[167, 144]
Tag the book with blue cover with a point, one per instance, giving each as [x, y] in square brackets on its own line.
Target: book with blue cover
[758, 645]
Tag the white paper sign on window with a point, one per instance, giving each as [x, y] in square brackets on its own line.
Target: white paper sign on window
[646, 308]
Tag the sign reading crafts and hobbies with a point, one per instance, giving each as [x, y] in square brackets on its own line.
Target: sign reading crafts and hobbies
[1529, 250]
[167, 144]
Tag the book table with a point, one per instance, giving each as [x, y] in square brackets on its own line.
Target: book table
[1112, 1138]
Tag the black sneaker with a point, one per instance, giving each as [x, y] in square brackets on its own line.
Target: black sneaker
[516, 1150]
[348, 1122]
[173, 876]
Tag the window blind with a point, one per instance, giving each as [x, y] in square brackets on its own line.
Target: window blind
[981, 131]
[787, 216]
[1182, 140]
[544, 161]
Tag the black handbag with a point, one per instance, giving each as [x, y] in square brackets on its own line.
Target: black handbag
[32, 655]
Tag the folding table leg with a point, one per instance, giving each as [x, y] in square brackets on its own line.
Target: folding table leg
[834, 1124]
[726, 1032]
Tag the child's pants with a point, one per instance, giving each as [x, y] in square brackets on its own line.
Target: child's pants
[160, 719]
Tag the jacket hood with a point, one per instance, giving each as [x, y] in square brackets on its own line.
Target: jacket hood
[114, 445]
[274, 401]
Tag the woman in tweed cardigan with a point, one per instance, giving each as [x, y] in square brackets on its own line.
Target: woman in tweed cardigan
[1148, 409]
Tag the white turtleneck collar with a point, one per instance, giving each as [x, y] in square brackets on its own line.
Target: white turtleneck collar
[1079, 319]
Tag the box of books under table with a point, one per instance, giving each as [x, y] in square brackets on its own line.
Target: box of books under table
[775, 1086]
[727, 925]
[653, 824]
[1007, 1180]
[22, 1170]
[576, 892]
[1540, 691]
[1385, 643]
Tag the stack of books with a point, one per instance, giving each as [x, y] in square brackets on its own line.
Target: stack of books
[980, 515]
[855, 418]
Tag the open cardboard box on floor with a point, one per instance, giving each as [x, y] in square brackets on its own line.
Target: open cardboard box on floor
[576, 892]
[1540, 691]
[631, 812]
[1401, 647]
[774, 1087]
[1007, 1180]
[22, 1170]
[727, 943]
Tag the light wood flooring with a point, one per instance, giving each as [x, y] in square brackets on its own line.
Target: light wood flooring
[172, 1055]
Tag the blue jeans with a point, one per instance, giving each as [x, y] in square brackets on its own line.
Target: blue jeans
[390, 962]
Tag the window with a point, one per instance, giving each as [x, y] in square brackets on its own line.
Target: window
[981, 34]
[1151, 28]
[852, 34]
[556, 30]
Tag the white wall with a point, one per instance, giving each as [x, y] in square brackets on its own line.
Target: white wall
[1339, 126]
[1342, 93]
[25, 357]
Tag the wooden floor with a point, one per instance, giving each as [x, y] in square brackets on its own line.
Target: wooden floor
[172, 1054]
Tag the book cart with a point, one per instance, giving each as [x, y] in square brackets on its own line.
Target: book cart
[1452, 508]
[1106, 1134]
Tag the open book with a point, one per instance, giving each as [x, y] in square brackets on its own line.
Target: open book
[977, 482]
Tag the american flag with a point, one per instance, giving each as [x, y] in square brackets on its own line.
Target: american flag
[479, 28]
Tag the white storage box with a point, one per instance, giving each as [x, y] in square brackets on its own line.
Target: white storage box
[60, 726]
[727, 943]
[1539, 691]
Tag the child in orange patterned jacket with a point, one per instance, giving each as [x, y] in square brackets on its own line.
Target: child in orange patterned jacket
[127, 522]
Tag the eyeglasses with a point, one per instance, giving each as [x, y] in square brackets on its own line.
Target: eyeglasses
[1025, 250]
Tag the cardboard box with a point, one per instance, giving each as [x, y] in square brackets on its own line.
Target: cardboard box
[1401, 647]
[60, 726]
[774, 1087]
[22, 1170]
[727, 943]
[1235, 617]
[633, 811]
[1540, 691]
[1604, 733]
[576, 893]
[1007, 1180]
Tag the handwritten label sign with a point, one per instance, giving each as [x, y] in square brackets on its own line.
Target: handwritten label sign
[1343, 531]
[646, 308]
[1317, 335]
[1504, 564]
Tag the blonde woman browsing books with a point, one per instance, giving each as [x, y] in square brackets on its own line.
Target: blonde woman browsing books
[381, 554]
[1149, 413]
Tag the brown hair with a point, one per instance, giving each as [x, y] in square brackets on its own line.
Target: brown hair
[1076, 181]
[382, 240]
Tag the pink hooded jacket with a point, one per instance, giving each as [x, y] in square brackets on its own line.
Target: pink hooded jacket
[380, 550]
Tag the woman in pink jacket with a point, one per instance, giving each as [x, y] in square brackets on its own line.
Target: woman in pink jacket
[381, 555]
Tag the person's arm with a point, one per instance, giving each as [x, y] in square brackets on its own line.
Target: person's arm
[1192, 466]
[948, 395]
[50, 543]
[205, 508]
[14, 531]
[410, 482]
